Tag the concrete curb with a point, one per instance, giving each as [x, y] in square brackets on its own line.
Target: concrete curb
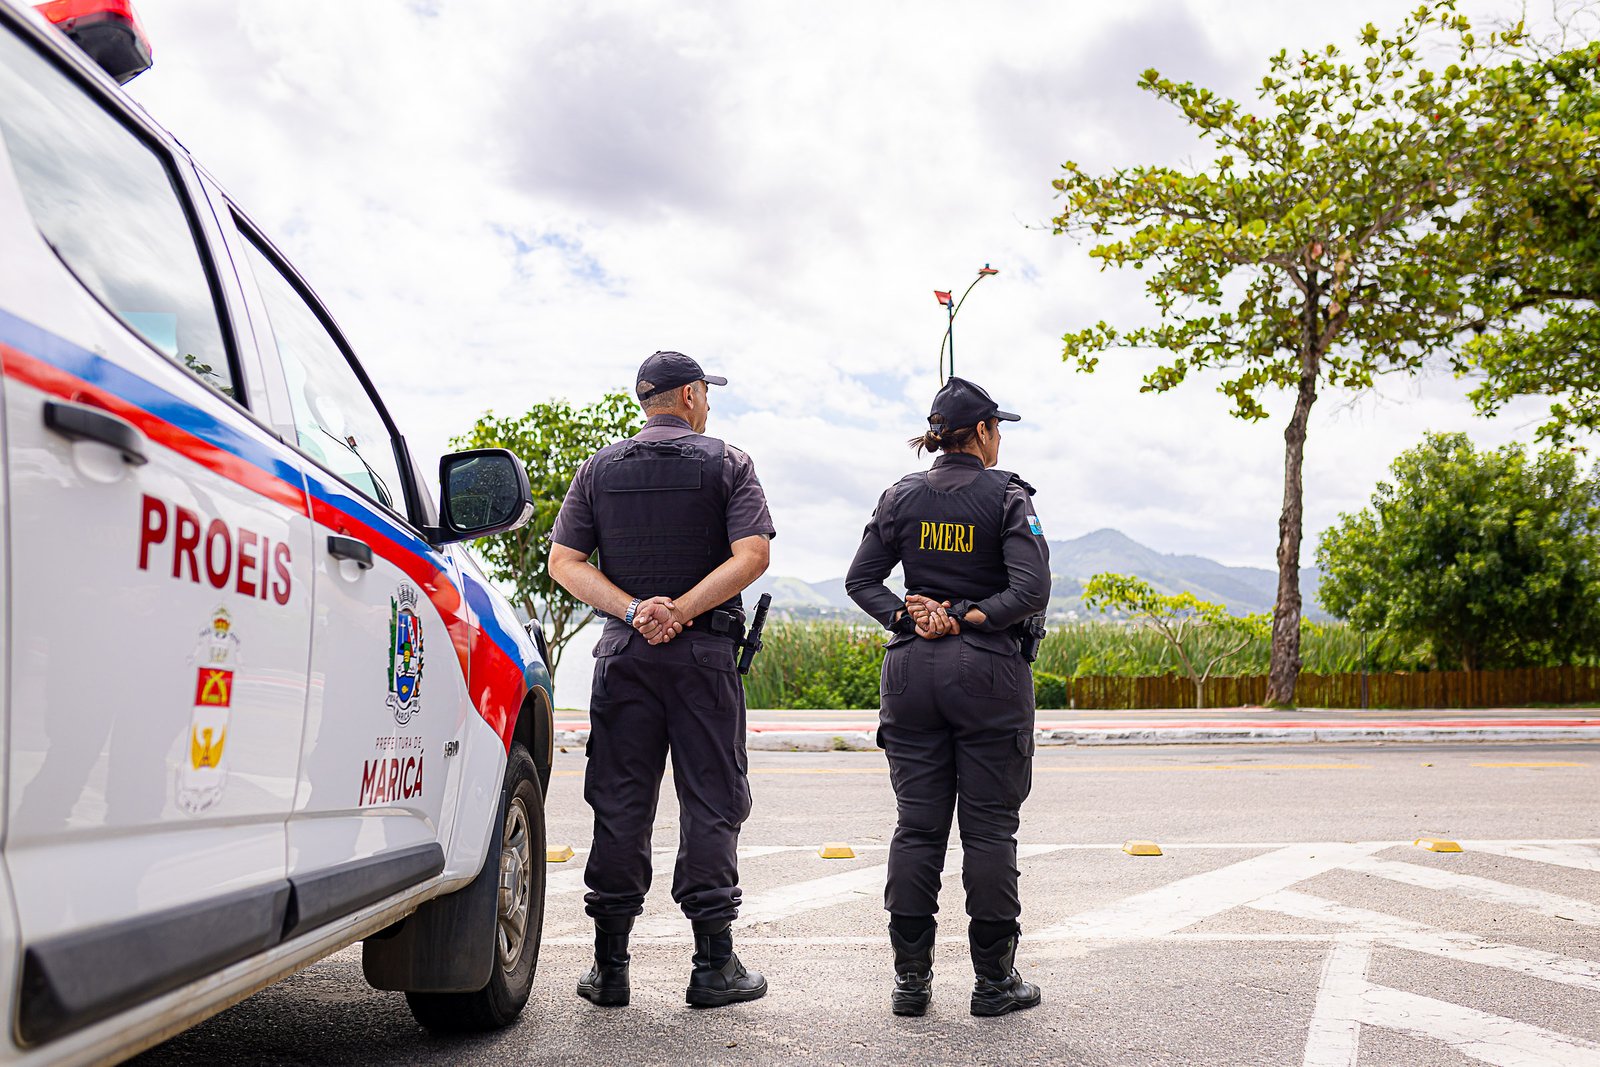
[1133, 735]
[866, 740]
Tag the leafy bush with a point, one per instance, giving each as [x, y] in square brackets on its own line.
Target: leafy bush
[1488, 557]
[1049, 690]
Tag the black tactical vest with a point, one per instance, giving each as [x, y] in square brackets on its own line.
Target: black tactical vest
[661, 510]
[949, 542]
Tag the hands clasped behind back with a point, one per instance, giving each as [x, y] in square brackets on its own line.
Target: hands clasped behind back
[931, 618]
[657, 620]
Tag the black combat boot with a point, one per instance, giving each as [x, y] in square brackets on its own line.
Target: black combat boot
[718, 977]
[913, 970]
[999, 988]
[606, 984]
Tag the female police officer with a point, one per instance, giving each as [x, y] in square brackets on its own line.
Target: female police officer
[957, 692]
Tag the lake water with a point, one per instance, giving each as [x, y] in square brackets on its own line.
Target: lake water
[576, 672]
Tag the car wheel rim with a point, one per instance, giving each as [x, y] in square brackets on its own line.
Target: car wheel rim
[516, 885]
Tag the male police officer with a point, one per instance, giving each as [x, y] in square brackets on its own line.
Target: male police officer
[681, 525]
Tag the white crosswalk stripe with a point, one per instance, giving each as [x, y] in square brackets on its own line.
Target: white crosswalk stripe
[783, 902]
[662, 861]
[1485, 889]
[1583, 857]
[1413, 936]
[1186, 902]
[1346, 1001]
[770, 906]
[1335, 1032]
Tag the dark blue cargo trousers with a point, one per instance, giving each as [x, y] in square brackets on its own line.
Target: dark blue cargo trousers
[686, 699]
[957, 726]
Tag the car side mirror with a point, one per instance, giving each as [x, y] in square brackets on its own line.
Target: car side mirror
[482, 491]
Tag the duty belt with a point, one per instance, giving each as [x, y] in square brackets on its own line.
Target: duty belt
[722, 622]
[731, 624]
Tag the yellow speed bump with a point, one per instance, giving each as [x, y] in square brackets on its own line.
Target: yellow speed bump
[558, 854]
[836, 850]
[1437, 844]
[1141, 848]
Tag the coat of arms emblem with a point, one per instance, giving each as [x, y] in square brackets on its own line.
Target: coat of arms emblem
[405, 654]
[203, 768]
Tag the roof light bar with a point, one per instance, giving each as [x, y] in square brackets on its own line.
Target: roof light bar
[108, 30]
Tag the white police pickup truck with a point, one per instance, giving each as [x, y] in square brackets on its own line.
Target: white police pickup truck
[258, 702]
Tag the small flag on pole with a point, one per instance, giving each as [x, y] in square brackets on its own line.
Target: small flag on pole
[944, 298]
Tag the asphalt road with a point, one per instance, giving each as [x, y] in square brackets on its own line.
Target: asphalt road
[1289, 921]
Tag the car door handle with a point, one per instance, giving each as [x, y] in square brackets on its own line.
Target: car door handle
[357, 552]
[80, 422]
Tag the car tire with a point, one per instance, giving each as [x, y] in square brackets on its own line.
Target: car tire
[521, 855]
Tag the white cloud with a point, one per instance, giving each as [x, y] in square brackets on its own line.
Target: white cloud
[504, 202]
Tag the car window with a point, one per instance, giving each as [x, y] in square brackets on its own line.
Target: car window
[335, 419]
[110, 206]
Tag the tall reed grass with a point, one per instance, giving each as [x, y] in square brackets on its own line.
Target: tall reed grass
[1089, 649]
[816, 665]
[835, 665]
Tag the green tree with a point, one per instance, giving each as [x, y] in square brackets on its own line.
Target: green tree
[1307, 251]
[1538, 239]
[1490, 558]
[1202, 634]
[552, 439]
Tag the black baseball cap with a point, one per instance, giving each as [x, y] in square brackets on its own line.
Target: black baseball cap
[962, 403]
[668, 370]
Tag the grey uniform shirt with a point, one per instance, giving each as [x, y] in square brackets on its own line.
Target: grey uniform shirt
[1022, 546]
[747, 501]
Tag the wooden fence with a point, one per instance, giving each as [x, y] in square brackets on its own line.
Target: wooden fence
[1431, 689]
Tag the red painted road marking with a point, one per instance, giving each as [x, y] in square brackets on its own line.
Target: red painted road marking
[1188, 724]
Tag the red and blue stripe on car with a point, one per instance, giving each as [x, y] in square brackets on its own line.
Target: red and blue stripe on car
[501, 667]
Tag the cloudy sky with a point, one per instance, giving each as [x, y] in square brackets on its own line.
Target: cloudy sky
[507, 201]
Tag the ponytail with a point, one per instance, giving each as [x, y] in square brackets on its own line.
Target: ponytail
[940, 439]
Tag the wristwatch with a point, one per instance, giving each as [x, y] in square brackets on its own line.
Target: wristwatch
[633, 608]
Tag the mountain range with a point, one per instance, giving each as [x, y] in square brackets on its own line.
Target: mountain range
[1244, 590]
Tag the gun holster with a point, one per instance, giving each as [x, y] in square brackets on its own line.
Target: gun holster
[1032, 635]
[725, 623]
